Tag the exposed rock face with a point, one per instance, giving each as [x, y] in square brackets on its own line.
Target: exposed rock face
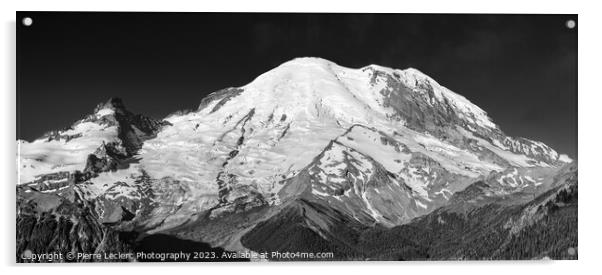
[132, 129]
[49, 223]
[361, 184]
[309, 149]
[221, 97]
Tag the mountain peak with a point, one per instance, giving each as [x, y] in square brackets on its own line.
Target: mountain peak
[112, 104]
[319, 87]
[309, 61]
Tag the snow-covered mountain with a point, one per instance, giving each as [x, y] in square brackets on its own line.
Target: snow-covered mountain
[376, 145]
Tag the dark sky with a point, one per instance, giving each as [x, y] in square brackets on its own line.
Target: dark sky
[521, 69]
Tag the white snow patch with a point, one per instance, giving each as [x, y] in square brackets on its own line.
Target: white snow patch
[44, 157]
[565, 158]
[104, 112]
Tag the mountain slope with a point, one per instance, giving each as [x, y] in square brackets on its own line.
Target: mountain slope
[543, 227]
[375, 147]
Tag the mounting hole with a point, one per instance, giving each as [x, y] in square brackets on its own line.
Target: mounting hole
[27, 21]
[570, 24]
